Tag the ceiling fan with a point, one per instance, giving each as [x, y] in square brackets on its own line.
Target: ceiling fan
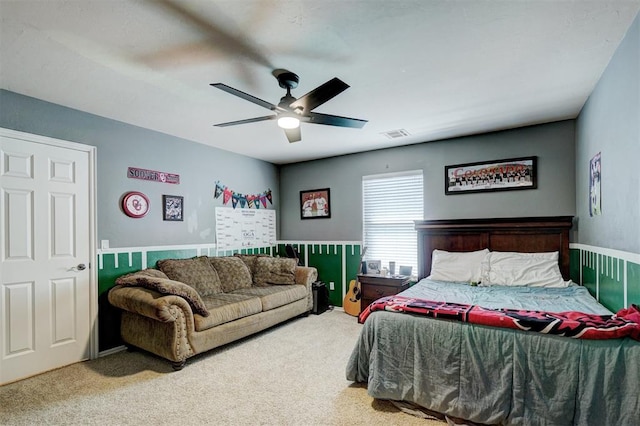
[291, 111]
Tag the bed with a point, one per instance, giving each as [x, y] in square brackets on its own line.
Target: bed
[493, 375]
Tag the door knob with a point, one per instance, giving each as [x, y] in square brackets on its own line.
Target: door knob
[81, 267]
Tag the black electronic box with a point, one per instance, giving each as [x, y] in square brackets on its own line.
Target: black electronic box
[320, 297]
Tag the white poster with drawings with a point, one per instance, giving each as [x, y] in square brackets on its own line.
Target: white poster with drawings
[238, 229]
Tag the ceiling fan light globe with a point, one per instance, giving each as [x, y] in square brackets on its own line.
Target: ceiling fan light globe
[288, 122]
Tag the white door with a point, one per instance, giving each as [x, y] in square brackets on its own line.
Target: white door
[46, 288]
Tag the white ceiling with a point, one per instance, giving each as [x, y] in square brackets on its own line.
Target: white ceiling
[437, 68]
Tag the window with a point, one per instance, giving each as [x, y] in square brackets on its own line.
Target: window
[391, 202]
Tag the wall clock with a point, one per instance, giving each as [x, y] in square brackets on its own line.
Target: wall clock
[135, 204]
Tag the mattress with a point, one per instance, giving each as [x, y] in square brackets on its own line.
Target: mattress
[499, 376]
[571, 298]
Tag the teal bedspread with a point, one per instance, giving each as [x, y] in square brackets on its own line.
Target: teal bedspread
[499, 376]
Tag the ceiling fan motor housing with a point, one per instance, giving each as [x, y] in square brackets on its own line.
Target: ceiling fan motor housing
[287, 100]
[288, 80]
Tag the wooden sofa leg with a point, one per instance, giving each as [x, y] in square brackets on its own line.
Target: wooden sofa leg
[178, 365]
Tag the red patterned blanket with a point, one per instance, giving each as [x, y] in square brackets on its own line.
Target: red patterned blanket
[570, 324]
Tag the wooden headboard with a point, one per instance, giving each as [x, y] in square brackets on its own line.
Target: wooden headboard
[520, 234]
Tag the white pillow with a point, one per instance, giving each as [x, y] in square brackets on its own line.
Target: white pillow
[457, 266]
[522, 269]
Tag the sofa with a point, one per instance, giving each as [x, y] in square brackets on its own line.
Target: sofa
[185, 307]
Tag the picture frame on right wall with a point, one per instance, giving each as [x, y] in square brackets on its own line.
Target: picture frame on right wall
[595, 194]
[497, 175]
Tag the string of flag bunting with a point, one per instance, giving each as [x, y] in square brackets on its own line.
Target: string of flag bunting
[250, 201]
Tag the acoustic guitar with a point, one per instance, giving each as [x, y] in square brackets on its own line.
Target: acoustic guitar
[352, 300]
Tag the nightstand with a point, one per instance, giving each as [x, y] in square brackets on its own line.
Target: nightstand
[374, 287]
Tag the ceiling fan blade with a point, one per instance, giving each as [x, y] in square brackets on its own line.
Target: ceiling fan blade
[248, 120]
[320, 95]
[245, 96]
[294, 135]
[334, 120]
[232, 42]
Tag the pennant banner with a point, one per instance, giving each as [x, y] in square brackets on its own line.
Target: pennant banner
[250, 201]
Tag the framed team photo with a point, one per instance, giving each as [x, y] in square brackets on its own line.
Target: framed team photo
[315, 204]
[499, 175]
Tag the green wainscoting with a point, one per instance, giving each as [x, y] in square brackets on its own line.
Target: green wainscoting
[110, 267]
[633, 283]
[336, 262]
[113, 265]
[327, 259]
[612, 276]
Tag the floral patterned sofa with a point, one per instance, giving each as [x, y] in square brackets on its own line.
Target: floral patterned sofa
[189, 306]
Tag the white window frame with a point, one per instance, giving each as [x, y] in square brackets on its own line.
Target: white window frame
[392, 238]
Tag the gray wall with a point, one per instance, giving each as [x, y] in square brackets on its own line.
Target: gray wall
[553, 144]
[120, 146]
[610, 123]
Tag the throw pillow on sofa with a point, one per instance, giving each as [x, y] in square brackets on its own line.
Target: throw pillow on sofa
[250, 260]
[233, 272]
[196, 272]
[158, 281]
[275, 270]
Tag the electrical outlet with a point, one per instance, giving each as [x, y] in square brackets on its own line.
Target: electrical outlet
[332, 285]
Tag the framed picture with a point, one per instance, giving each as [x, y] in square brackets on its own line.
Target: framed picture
[173, 207]
[499, 175]
[374, 267]
[315, 204]
[595, 208]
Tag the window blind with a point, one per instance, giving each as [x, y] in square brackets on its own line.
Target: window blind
[391, 202]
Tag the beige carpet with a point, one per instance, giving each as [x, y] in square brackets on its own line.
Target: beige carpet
[293, 374]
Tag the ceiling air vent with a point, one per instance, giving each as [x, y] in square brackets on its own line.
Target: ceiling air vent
[394, 134]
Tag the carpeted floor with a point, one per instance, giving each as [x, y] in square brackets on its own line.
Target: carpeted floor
[293, 374]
